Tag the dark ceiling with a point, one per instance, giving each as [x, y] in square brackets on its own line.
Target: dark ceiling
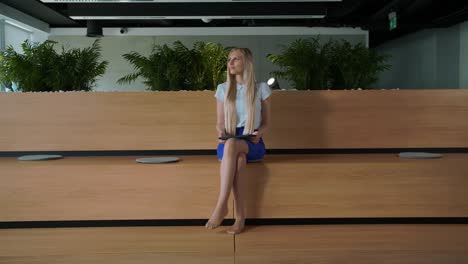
[372, 15]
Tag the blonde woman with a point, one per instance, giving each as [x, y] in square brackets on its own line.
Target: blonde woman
[243, 108]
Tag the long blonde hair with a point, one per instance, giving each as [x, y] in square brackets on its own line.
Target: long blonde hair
[230, 113]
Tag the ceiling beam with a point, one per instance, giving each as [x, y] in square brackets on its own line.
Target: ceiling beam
[180, 1]
[39, 11]
[9, 12]
[199, 9]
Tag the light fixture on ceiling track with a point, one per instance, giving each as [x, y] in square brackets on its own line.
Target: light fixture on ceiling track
[183, 1]
[194, 17]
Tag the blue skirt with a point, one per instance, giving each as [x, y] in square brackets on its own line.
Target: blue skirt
[256, 151]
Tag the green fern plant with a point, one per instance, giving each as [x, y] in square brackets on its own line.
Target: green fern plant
[40, 68]
[211, 64]
[178, 67]
[161, 70]
[305, 62]
[30, 70]
[79, 68]
[332, 65]
[355, 66]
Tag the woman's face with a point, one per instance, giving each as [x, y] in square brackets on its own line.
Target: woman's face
[236, 63]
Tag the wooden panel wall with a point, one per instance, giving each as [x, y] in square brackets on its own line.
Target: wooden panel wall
[186, 120]
[387, 244]
[107, 188]
[283, 186]
[176, 244]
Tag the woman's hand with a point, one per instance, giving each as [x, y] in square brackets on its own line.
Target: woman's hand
[221, 140]
[257, 137]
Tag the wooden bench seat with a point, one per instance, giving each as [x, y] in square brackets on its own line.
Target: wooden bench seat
[103, 186]
[105, 121]
[282, 186]
[353, 244]
[115, 245]
[259, 244]
[106, 188]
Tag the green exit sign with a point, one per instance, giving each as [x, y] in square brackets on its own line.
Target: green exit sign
[392, 18]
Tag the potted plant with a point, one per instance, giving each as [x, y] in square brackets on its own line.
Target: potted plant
[161, 70]
[305, 62]
[30, 70]
[355, 66]
[78, 69]
[336, 64]
[40, 68]
[207, 65]
[178, 67]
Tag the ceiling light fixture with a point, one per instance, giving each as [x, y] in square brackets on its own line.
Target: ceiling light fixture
[93, 29]
[180, 1]
[194, 17]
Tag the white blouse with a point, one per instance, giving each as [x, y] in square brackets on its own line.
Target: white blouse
[264, 92]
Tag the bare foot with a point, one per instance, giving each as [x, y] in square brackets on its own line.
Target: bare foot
[216, 218]
[237, 227]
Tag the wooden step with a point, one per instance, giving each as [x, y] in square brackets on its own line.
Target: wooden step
[116, 245]
[134, 258]
[168, 120]
[353, 244]
[358, 185]
[282, 186]
[107, 188]
[257, 244]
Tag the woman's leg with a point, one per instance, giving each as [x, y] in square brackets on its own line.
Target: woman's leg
[232, 149]
[239, 187]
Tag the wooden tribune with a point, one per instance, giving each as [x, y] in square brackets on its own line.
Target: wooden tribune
[282, 186]
[186, 120]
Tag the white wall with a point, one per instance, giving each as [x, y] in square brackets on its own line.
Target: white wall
[15, 33]
[261, 41]
[463, 55]
[448, 57]
[428, 59]
[16, 27]
[413, 62]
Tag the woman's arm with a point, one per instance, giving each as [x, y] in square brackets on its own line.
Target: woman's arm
[220, 119]
[265, 125]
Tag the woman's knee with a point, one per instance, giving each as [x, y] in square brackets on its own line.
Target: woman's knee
[242, 146]
[230, 146]
[233, 145]
[241, 162]
[242, 159]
